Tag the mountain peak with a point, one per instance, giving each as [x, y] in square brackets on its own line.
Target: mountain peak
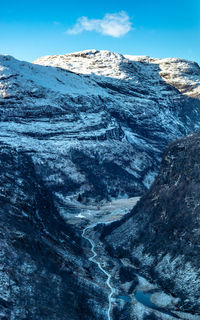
[179, 73]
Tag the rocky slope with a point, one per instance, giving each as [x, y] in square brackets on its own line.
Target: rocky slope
[162, 232]
[148, 101]
[44, 272]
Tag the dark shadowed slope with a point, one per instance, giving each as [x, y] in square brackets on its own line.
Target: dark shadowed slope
[163, 231]
[44, 273]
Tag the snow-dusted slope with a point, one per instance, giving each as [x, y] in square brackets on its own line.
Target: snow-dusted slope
[95, 122]
[181, 74]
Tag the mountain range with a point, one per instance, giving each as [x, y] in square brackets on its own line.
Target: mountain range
[79, 131]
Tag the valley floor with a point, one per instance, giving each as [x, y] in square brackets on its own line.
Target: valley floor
[134, 299]
[105, 212]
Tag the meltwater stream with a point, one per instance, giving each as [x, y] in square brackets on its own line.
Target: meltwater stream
[108, 282]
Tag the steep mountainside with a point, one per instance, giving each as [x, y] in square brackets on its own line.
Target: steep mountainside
[163, 230]
[44, 273]
[98, 128]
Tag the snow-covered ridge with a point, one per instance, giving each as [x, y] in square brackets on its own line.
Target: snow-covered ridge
[180, 73]
[96, 122]
[104, 63]
[30, 77]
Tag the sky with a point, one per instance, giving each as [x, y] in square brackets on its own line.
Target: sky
[156, 28]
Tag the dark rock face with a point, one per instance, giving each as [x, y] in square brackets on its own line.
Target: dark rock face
[163, 229]
[43, 271]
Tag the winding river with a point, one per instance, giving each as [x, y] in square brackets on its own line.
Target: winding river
[142, 297]
[93, 259]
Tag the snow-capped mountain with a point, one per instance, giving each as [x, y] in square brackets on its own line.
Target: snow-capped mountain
[77, 129]
[94, 122]
[182, 74]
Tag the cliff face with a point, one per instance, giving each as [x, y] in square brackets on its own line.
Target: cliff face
[164, 228]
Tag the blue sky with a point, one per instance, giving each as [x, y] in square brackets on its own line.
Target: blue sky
[170, 28]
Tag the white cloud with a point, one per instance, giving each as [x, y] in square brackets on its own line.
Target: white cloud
[112, 24]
